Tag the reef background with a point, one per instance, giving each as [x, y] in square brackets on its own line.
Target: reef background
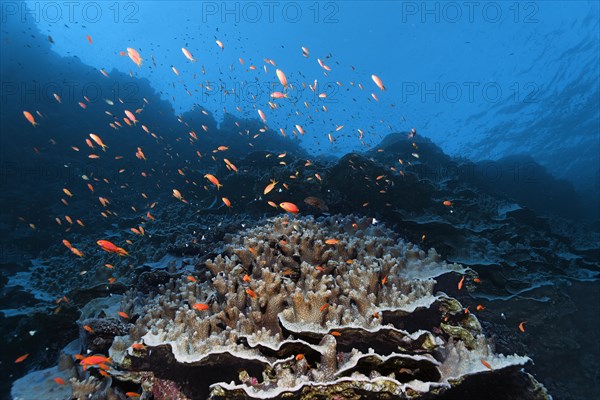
[533, 241]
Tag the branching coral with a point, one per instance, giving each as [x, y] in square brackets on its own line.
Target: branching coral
[309, 304]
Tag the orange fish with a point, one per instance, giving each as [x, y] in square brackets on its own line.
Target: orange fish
[447, 203]
[378, 82]
[323, 307]
[76, 252]
[89, 39]
[289, 207]
[178, 196]
[59, 381]
[138, 346]
[522, 326]
[261, 114]
[226, 201]
[135, 56]
[270, 186]
[130, 116]
[336, 333]
[460, 283]
[123, 315]
[111, 248]
[30, 118]
[213, 179]
[487, 364]
[220, 44]
[132, 394]
[384, 280]
[191, 279]
[200, 306]
[332, 241]
[187, 54]
[278, 95]
[98, 141]
[22, 358]
[251, 293]
[95, 360]
[281, 77]
[88, 328]
[480, 307]
[67, 244]
[246, 278]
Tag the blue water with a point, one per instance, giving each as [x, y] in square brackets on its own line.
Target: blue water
[483, 80]
[513, 86]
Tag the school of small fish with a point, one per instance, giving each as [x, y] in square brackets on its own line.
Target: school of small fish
[282, 89]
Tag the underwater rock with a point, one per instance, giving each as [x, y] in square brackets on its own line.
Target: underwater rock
[41, 385]
[102, 332]
[310, 308]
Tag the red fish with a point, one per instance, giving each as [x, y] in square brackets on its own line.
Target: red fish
[200, 306]
[486, 364]
[111, 248]
[289, 207]
[30, 118]
[95, 360]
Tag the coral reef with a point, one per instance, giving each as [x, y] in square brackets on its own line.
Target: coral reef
[310, 307]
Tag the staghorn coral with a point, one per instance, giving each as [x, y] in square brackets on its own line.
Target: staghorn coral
[302, 307]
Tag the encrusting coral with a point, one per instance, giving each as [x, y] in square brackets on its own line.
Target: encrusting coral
[310, 307]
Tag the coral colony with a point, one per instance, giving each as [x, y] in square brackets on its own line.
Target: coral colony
[299, 307]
